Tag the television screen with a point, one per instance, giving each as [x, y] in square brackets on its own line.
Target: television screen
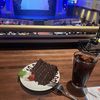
[34, 8]
[28, 9]
[34, 5]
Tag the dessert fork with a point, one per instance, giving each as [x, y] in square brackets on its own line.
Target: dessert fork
[60, 89]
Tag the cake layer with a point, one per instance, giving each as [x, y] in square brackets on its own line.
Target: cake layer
[44, 72]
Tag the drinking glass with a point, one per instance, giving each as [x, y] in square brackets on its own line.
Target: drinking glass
[83, 65]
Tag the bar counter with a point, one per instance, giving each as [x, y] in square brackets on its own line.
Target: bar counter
[12, 61]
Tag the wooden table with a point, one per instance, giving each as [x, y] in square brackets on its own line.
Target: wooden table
[12, 61]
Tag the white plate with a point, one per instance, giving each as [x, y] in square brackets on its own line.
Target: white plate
[33, 85]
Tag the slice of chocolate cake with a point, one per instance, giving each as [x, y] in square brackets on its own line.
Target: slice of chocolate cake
[44, 72]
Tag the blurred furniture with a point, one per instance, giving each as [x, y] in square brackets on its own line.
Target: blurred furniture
[24, 33]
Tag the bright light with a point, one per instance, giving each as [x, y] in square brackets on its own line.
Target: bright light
[72, 1]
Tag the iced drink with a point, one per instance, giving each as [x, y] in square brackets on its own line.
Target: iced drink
[83, 65]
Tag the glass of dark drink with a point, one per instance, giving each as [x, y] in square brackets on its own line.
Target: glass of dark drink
[83, 65]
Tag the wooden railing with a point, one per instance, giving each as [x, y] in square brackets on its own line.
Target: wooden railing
[38, 28]
[46, 38]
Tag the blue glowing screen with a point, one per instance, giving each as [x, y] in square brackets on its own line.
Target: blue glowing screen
[34, 5]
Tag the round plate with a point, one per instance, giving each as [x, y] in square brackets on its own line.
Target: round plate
[33, 85]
